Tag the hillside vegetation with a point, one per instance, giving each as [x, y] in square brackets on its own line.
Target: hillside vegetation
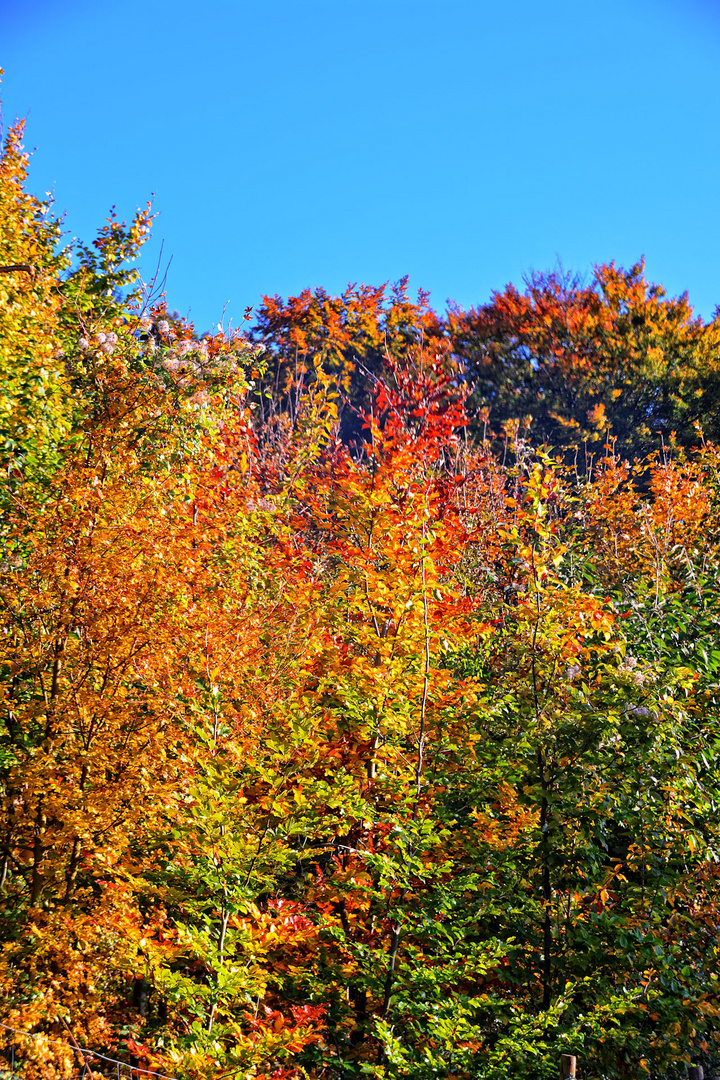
[360, 675]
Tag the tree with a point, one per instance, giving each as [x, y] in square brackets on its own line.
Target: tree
[584, 363]
[349, 336]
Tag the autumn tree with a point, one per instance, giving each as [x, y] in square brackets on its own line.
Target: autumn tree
[340, 737]
[350, 336]
[614, 358]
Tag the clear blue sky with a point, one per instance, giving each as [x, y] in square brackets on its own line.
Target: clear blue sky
[294, 143]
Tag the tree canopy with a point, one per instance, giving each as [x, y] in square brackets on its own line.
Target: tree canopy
[360, 675]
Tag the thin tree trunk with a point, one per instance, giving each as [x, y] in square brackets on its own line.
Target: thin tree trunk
[546, 888]
[71, 874]
[397, 930]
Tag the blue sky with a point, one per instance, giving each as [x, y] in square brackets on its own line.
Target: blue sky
[305, 142]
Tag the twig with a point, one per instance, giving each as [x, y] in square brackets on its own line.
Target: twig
[10, 268]
[83, 1062]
